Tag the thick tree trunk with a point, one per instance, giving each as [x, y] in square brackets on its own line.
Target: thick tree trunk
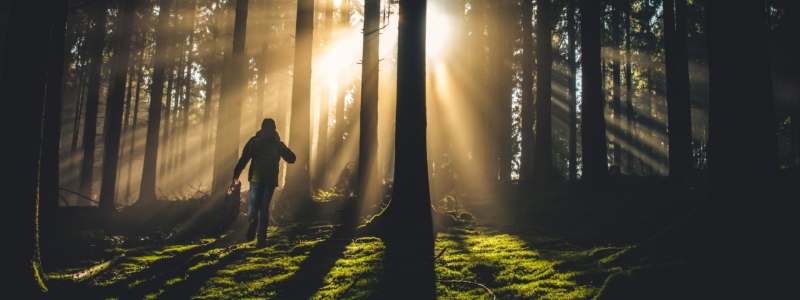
[543, 155]
[678, 105]
[51, 133]
[23, 81]
[368, 142]
[230, 110]
[408, 224]
[593, 125]
[742, 154]
[297, 175]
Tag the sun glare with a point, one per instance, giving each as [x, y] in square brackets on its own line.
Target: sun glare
[438, 27]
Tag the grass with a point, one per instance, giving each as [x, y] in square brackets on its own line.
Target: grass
[554, 242]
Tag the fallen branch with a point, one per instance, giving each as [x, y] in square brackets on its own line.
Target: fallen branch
[80, 276]
[470, 282]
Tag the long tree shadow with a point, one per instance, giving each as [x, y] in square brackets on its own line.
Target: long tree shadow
[310, 276]
[198, 277]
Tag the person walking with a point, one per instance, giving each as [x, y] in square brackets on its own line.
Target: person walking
[264, 151]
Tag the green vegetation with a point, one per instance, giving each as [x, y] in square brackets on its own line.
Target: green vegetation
[550, 243]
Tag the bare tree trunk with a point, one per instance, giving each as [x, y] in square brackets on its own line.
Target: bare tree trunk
[678, 103]
[527, 109]
[573, 85]
[230, 110]
[114, 106]
[96, 45]
[593, 125]
[368, 143]
[297, 174]
[147, 192]
[543, 152]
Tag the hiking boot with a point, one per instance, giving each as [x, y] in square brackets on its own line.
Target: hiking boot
[251, 231]
[261, 243]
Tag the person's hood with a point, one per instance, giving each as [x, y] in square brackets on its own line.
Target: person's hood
[269, 134]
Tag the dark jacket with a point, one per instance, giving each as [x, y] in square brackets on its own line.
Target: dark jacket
[265, 149]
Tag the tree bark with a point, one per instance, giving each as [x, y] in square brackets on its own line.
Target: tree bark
[408, 224]
[742, 152]
[543, 152]
[230, 110]
[527, 110]
[23, 81]
[147, 191]
[96, 47]
[114, 106]
[297, 175]
[593, 125]
[678, 105]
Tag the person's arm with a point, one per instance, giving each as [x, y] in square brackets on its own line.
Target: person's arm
[286, 153]
[242, 161]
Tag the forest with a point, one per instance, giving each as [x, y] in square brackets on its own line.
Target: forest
[445, 149]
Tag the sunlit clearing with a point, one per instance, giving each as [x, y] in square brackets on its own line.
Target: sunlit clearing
[438, 29]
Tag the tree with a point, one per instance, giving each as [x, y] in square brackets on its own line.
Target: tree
[51, 132]
[678, 104]
[23, 81]
[543, 151]
[114, 105]
[406, 223]
[96, 47]
[742, 153]
[593, 125]
[527, 111]
[368, 142]
[297, 175]
[147, 190]
[230, 111]
[573, 85]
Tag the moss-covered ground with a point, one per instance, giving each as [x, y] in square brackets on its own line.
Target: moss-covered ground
[549, 242]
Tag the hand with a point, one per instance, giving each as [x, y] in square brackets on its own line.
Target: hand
[232, 185]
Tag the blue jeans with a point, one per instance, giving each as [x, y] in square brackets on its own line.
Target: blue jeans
[259, 199]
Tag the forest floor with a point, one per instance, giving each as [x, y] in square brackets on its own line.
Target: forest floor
[549, 242]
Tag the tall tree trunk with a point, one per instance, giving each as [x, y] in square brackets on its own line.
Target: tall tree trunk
[297, 174]
[230, 110]
[97, 45]
[408, 223]
[114, 106]
[678, 104]
[593, 125]
[23, 80]
[616, 78]
[527, 111]
[147, 192]
[166, 140]
[134, 129]
[187, 101]
[630, 113]
[543, 152]
[368, 142]
[324, 110]
[742, 152]
[573, 85]
[51, 133]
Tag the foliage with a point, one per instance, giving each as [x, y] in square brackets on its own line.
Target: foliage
[552, 242]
